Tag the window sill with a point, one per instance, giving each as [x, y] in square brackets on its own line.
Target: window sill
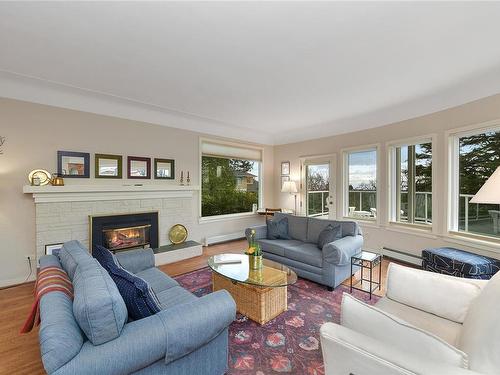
[480, 242]
[229, 217]
[372, 223]
[413, 229]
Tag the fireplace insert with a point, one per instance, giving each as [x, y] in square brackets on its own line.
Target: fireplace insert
[124, 231]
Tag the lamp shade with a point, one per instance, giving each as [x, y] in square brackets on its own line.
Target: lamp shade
[490, 191]
[289, 187]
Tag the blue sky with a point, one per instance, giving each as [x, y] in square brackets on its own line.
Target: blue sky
[362, 167]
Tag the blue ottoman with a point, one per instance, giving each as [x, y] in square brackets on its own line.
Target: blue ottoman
[459, 263]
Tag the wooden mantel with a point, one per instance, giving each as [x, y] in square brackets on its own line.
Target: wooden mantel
[97, 192]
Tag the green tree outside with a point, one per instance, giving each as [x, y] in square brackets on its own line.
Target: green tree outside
[479, 157]
[220, 195]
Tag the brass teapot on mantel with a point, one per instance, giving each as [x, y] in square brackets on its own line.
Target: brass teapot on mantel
[57, 179]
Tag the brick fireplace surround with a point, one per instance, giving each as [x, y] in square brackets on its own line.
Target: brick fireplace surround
[62, 213]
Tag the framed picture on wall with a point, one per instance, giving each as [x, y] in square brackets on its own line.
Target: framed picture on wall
[138, 167]
[164, 169]
[72, 164]
[285, 168]
[50, 248]
[283, 179]
[108, 166]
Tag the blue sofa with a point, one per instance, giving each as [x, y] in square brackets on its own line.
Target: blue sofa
[329, 266]
[188, 337]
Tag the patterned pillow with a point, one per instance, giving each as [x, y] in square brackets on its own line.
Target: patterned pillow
[140, 299]
[331, 233]
[277, 229]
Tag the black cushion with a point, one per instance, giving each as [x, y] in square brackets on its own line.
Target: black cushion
[139, 297]
[331, 233]
[278, 229]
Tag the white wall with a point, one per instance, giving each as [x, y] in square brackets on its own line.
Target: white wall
[36, 132]
[382, 234]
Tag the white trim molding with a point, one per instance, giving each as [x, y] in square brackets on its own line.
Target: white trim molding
[345, 181]
[331, 160]
[223, 238]
[452, 138]
[243, 146]
[392, 180]
[56, 94]
[87, 193]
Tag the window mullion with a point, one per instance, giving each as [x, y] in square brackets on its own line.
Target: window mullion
[398, 184]
[411, 184]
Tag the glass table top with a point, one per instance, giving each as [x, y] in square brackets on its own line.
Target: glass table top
[367, 256]
[236, 267]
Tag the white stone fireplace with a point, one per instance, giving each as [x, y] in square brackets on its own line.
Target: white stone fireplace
[63, 212]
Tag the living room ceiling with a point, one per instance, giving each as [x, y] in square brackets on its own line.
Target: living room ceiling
[267, 72]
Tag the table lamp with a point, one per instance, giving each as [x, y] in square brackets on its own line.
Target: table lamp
[290, 187]
[490, 191]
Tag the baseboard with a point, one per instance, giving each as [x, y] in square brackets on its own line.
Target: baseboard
[4, 284]
[223, 238]
[176, 253]
[402, 256]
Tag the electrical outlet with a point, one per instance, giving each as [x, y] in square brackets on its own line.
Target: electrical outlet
[30, 259]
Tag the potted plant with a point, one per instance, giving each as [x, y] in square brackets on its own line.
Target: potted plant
[254, 252]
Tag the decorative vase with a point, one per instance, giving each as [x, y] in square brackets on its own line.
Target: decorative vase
[255, 262]
[256, 275]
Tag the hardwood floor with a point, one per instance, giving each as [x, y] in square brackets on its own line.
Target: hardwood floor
[188, 265]
[20, 354]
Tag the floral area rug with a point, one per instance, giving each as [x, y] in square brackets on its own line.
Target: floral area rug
[289, 343]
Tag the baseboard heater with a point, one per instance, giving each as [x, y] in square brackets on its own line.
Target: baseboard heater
[223, 238]
[403, 256]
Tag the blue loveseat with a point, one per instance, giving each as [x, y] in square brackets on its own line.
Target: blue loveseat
[330, 265]
[188, 337]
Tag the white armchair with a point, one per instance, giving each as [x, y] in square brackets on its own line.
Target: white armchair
[428, 324]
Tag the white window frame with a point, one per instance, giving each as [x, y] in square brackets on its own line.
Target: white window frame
[345, 182]
[393, 181]
[330, 159]
[453, 188]
[241, 215]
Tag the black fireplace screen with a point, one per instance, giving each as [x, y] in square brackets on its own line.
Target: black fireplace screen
[126, 238]
[127, 231]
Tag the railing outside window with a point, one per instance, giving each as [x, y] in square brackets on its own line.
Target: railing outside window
[362, 203]
[317, 203]
[423, 209]
[478, 218]
[473, 217]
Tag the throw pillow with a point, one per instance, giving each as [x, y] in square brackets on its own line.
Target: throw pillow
[139, 297]
[331, 233]
[278, 229]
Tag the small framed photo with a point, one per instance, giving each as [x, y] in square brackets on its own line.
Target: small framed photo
[138, 167]
[50, 248]
[164, 169]
[72, 164]
[108, 166]
[283, 179]
[285, 168]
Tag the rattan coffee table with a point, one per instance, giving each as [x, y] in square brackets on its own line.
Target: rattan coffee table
[260, 294]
